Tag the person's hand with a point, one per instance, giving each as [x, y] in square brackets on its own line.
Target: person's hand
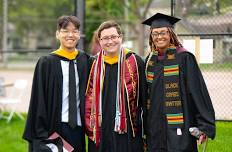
[202, 139]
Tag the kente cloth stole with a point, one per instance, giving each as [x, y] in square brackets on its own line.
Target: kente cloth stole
[150, 74]
[172, 95]
[131, 83]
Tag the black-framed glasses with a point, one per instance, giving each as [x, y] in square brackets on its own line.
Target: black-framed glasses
[66, 32]
[161, 34]
[112, 37]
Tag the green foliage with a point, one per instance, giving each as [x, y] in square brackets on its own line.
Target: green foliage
[30, 18]
[94, 18]
[96, 13]
[37, 16]
[110, 8]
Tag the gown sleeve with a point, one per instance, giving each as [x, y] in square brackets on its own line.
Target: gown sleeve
[36, 124]
[198, 93]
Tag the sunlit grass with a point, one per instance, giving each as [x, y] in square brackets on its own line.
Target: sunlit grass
[11, 137]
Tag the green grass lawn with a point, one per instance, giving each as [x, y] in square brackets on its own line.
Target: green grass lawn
[11, 137]
[223, 139]
[216, 67]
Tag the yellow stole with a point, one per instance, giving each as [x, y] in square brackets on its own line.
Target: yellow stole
[64, 53]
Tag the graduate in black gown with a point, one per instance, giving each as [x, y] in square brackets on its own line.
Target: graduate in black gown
[115, 95]
[58, 90]
[178, 98]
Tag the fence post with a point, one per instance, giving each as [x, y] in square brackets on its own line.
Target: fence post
[5, 35]
[80, 13]
[197, 48]
[173, 5]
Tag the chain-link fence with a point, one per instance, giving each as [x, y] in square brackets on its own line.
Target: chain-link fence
[205, 30]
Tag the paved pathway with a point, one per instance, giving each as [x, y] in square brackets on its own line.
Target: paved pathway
[10, 76]
[220, 88]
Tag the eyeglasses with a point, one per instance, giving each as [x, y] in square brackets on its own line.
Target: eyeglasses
[112, 37]
[67, 32]
[156, 34]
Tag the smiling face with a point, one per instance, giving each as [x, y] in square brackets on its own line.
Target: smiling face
[68, 37]
[110, 41]
[161, 38]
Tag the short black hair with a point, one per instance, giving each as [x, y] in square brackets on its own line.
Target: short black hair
[63, 22]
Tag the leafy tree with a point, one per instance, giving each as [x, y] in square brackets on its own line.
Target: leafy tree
[137, 11]
[37, 18]
[31, 18]
[97, 12]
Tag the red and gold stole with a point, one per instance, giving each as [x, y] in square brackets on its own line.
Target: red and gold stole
[129, 82]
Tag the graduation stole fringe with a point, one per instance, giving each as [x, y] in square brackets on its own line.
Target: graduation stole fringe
[94, 94]
[97, 86]
[172, 95]
[120, 112]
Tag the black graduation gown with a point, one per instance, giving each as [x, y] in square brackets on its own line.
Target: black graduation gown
[44, 114]
[196, 103]
[111, 141]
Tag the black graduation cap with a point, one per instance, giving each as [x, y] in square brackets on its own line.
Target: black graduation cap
[161, 20]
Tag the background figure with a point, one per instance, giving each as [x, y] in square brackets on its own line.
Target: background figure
[95, 46]
[178, 96]
[115, 94]
[58, 90]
